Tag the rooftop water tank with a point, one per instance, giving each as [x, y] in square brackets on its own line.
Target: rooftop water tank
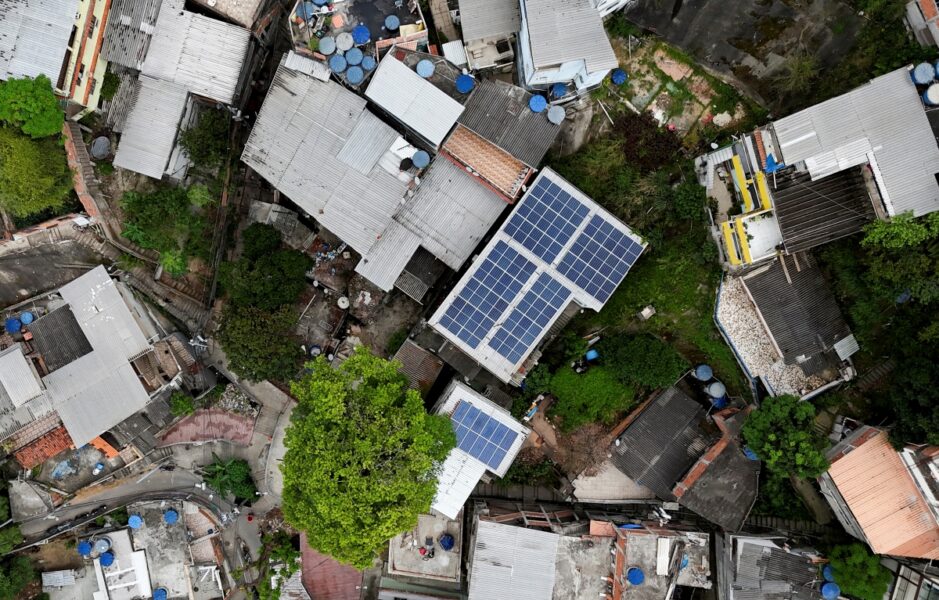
[931, 95]
[368, 63]
[361, 34]
[355, 75]
[420, 159]
[327, 45]
[556, 115]
[703, 373]
[830, 590]
[828, 573]
[337, 63]
[13, 325]
[27, 317]
[135, 522]
[465, 83]
[107, 559]
[537, 104]
[100, 147]
[306, 10]
[354, 57]
[160, 594]
[446, 542]
[344, 41]
[618, 76]
[425, 68]
[102, 545]
[171, 517]
[84, 548]
[923, 73]
[392, 22]
[635, 576]
[558, 90]
[718, 394]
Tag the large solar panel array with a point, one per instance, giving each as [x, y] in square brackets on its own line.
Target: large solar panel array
[480, 435]
[546, 220]
[600, 258]
[530, 318]
[484, 298]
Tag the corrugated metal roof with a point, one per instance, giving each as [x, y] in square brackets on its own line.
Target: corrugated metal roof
[34, 37]
[498, 112]
[388, 256]
[243, 12]
[563, 31]
[149, 133]
[889, 114]
[59, 338]
[455, 52]
[19, 383]
[663, 442]
[420, 366]
[489, 18]
[460, 471]
[58, 578]
[884, 498]
[306, 65]
[764, 571]
[797, 306]
[726, 491]
[512, 562]
[412, 100]
[451, 212]
[202, 54]
[367, 143]
[303, 125]
[130, 27]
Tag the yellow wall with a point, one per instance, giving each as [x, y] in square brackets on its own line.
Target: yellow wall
[85, 48]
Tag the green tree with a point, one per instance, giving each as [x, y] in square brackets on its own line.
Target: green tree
[110, 85]
[280, 554]
[206, 142]
[361, 458]
[30, 105]
[261, 344]
[10, 536]
[34, 175]
[582, 398]
[232, 476]
[259, 240]
[782, 435]
[166, 221]
[182, 404]
[643, 361]
[269, 282]
[15, 575]
[858, 572]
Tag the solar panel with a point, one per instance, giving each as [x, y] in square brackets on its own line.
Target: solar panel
[483, 299]
[599, 258]
[480, 435]
[530, 318]
[546, 220]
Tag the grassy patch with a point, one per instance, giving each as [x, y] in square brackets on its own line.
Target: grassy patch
[594, 396]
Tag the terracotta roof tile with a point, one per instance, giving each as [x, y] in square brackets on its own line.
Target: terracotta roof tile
[495, 165]
[930, 11]
[420, 366]
[885, 500]
[328, 579]
[40, 450]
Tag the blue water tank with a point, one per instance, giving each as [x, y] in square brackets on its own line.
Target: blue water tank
[27, 317]
[425, 68]
[107, 559]
[13, 325]
[368, 63]
[392, 22]
[446, 542]
[135, 522]
[537, 103]
[703, 373]
[160, 594]
[830, 591]
[337, 62]
[465, 84]
[635, 576]
[592, 354]
[327, 45]
[354, 57]
[306, 10]
[355, 75]
[171, 517]
[717, 392]
[361, 34]
[923, 73]
[828, 573]
[558, 90]
[420, 159]
[618, 76]
[931, 95]
[84, 548]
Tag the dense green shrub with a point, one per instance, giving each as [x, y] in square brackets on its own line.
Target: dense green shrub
[642, 361]
[583, 398]
[166, 221]
[858, 572]
[781, 432]
[206, 142]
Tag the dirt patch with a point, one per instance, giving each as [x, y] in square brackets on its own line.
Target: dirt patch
[672, 68]
[56, 556]
[379, 315]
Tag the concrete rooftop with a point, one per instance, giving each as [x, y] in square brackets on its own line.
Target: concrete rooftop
[581, 565]
[404, 558]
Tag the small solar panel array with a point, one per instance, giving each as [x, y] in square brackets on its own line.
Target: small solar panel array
[545, 223]
[481, 436]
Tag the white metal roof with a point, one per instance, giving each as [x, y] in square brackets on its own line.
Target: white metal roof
[202, 54]
[150, 130]
[301, 63]
[413, 100]
[455, 52]
[481, 19]
[99, 390]
[388, 256]
[512, 562]
[19, 383]
[34, 37]
[483, 353]
[461, 471]
[563, 31]
[303, 127]
[882, 122]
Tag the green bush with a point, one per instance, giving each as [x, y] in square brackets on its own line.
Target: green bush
[583, 398]
[231, 476]
[261, 344]
[31, 105]
[15, 574]
[781, 432]
[521, 472]
[164, 220]
[182, 404]
[396, 340]
[259, 240]
[271, 281]
[858, 572]
[110, 85]
[642, 361]
[206, 142]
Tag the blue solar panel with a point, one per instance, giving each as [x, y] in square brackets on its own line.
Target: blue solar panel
[493, 286]
[530, 318]
[480, 435]
[600, 258]
[546, 220]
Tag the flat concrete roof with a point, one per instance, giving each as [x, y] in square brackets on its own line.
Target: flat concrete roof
[404, 557]
[580, 567]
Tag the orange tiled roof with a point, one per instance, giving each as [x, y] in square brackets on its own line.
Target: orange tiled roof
[40, 450]
[503, 171]
[930, 11]
[885, 500]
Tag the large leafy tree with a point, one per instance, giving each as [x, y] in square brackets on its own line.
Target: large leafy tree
[781, 434]
[167, 221]
[361, 458]
[34, 174]
[261, 344]
[642, 360]
[859, 573]
[15, 575]
[206, 142]
[232, 476]
[269, 282]
[30, 105]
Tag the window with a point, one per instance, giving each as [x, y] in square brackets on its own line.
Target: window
[94, 84]
[91, 27]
